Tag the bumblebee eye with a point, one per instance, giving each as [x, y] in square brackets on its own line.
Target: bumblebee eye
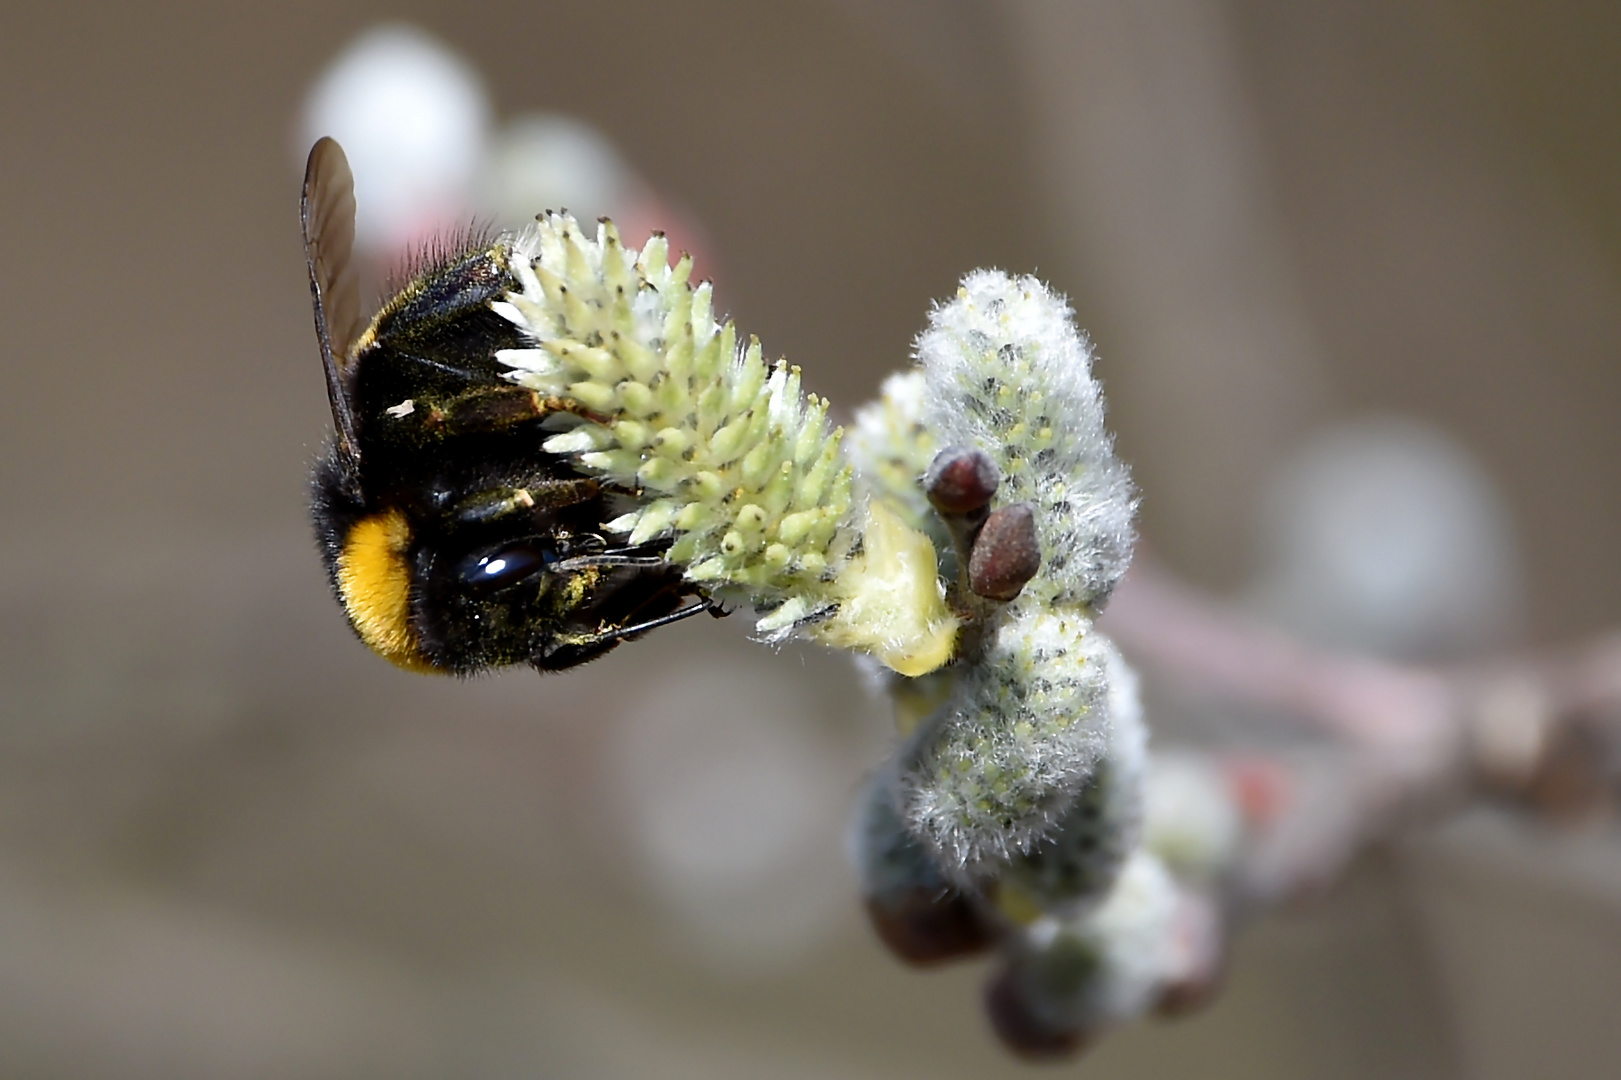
[486, 571]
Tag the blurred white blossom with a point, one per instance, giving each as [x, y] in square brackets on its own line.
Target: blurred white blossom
[414, 119]
[549, 161]
[1384, 534]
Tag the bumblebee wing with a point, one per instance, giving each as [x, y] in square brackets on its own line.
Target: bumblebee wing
[328, 213]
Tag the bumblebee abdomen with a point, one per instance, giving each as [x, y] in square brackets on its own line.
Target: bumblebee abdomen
[373, 579]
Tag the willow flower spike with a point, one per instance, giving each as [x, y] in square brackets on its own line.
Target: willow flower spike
[730, 460]
[1038, 693]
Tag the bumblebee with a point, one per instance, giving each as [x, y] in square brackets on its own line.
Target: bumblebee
[453, 542]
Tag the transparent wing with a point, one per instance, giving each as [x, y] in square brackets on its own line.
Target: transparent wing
[328, 213]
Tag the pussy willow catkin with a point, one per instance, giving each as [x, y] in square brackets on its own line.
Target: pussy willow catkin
[733, 463]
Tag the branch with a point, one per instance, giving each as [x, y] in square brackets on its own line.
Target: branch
[1544, 727]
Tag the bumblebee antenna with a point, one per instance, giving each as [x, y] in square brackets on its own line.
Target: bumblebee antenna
[327, 211]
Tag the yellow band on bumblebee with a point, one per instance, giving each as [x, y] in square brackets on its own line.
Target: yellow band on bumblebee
[374, 583]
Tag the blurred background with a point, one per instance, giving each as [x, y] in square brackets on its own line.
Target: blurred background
[1354, 271]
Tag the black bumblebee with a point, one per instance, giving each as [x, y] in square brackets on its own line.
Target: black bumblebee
[452, 540]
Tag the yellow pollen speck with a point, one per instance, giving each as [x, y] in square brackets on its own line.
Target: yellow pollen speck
[374, 583]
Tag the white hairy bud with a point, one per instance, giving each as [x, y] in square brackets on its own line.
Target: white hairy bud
[1007, 371]
[1042, 701]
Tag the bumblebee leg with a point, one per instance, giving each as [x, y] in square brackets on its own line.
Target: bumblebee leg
[568, 405]
[582, 562]
[543, 495]
[704, 604]
[558, 494]
[496, 408]
[579, 647]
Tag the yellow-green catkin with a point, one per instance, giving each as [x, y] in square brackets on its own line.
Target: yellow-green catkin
[730, 461]
[892, 448]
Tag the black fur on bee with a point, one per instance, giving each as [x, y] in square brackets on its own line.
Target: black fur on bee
[452, 540]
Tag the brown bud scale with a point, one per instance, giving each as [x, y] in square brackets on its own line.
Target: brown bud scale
[926, 927]
[1021, 1030]
[960, 481]
[1006, 553]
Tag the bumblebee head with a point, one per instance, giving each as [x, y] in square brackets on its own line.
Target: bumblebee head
[440, 580]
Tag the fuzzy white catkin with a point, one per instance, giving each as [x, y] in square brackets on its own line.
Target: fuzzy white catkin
[1007, 371]
[1082, 973]
[1004, 370]
[891, 448]
[1001, 765]
[1190, 818]
[1079, 862]
[889, 860]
